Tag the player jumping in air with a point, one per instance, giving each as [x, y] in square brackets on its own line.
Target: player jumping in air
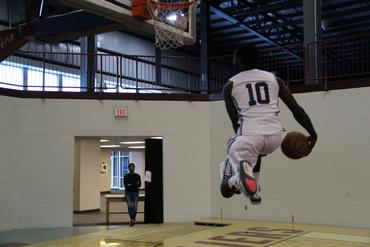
[251, 99]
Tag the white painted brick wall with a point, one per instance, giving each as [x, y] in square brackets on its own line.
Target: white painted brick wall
[44, 143]
[8, 121]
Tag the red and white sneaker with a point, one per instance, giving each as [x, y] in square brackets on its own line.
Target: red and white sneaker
[247, 179]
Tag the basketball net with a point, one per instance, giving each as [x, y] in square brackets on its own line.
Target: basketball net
[170, 19]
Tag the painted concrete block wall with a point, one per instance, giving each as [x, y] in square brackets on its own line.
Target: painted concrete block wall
[45, 130]
[330, 186]
[8, 125]
[44, 165]
[220, 131]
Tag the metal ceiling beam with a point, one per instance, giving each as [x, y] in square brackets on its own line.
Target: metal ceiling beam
[246, 28]
[65, 27]
[237, 42]
[270, 7]
[346, 32]
[358, 27]
[229, 39]
[259, 46]
[222, 26]
[281, 24]
[218, 21]
[230, 34]
[231, 42]
[352, 22]
[293, 31]
[336, 6]
[242, 26]
[244, 40]
[215, 18]
[256, 22]
[348, 12]
[234, 42]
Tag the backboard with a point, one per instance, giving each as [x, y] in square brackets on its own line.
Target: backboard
[120, 11]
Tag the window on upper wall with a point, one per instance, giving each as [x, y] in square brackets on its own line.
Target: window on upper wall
[110, 87]
[71, 83]
[11, 76]
[35, 80]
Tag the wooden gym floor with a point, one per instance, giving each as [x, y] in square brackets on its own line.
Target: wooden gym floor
[233, 234]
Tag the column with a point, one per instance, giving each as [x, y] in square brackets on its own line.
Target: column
[88, 63]
[204, 27]
[312, 38]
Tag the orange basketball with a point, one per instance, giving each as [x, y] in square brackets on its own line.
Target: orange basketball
[295, 145]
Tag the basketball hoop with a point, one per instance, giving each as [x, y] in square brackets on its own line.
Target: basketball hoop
[170, 19]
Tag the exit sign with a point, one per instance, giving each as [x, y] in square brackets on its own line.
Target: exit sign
[121, 111]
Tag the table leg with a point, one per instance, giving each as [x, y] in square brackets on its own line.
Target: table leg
[107, 211]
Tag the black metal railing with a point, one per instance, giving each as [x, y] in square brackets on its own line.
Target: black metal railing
[118, 73]
[339, 59]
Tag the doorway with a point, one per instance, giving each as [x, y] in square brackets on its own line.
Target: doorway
[105, 175]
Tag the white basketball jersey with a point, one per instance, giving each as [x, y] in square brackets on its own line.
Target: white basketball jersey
[256, 97]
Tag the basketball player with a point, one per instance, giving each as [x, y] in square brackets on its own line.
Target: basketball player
[251, 99]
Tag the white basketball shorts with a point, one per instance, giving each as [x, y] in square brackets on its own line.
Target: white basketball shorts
[248, 148]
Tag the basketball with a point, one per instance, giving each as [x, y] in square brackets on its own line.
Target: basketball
[295, 145]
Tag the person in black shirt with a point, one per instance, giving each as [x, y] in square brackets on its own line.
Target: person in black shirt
[132, 183]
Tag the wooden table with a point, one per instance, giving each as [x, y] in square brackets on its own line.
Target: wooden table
[117, 198]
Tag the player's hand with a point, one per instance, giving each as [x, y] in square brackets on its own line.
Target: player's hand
[311, 142]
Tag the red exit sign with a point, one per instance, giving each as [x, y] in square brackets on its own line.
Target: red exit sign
[121, 111]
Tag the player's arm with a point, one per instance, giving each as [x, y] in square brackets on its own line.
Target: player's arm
[298, 112]
[230, 107]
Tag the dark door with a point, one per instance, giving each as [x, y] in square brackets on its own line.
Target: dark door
[154, 189]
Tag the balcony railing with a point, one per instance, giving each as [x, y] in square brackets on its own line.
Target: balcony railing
[339, 59]
[68, 72]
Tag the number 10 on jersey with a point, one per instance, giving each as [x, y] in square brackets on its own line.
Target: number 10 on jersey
[255, 93]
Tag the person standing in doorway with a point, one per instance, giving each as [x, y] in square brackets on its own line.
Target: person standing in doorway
[132, 183]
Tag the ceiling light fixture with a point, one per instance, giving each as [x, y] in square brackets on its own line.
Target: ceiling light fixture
[137, 147]
[136, 142]
[110, 146]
